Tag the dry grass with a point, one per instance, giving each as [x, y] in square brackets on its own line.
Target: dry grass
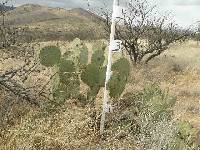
[178, 71]
[74, 127]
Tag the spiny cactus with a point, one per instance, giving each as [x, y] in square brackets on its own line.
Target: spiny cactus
[99, 45]
[68, 87]
[66, 70]
[75, 61]
[121, 71]
[98, 57]
[122, 67]
[50, 56]
[67, 84]
[94, 73]
[78, 53]
[66, 66]
[92, 76]
[116, 85]
[83, 58]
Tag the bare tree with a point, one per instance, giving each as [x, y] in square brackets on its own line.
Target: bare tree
[198, 33]
[3, 10]
[8, 34]
[145, 34]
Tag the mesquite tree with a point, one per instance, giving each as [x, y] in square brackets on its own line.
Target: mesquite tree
[144, 33]
[198, 34]
[8, 34]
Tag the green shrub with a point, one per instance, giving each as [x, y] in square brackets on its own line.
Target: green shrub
[151, 110]
[188, 135]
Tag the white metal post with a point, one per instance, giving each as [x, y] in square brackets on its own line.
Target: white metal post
[108, 75]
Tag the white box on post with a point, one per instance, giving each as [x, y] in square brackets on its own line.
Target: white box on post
[116, 46]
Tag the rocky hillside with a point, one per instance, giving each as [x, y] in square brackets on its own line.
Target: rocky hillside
[56, 23]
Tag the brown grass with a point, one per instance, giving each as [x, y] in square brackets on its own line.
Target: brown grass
[74, 127]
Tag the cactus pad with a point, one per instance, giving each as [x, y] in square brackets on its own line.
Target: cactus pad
[83, 56]
[98, 57]
[117, 85]
[90, 75]
[99, 45]
[122, 67]
[49, 56]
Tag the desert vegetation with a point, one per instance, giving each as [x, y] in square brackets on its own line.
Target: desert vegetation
[51, 87]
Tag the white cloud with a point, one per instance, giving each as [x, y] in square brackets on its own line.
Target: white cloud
[185, 12]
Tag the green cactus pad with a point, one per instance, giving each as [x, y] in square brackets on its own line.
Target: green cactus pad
[102, 76]
[66, 66]
[90, 75]
[122, 67]
[49, 56]
[68, 89]
[98, 58]
[83, 55]
[92, 93]
[99, 45]
[66, 70]
[116, 85]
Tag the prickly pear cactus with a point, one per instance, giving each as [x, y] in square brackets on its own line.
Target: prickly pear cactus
[67, 83]
[50, 56]
[69, 89]
[116, 86]
[73, 66]
[83, 58]
[117, 83]
[122, 67]
[66, 68]
[98, 57]
[94, 74]
[78, 53]
[99, 45]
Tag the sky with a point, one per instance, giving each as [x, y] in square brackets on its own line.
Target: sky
[184, 12]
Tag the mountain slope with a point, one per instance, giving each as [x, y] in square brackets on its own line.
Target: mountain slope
[56, 22]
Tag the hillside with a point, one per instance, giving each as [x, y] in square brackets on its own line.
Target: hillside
[55, 23]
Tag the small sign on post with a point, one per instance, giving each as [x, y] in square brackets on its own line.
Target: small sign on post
[116, 45]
